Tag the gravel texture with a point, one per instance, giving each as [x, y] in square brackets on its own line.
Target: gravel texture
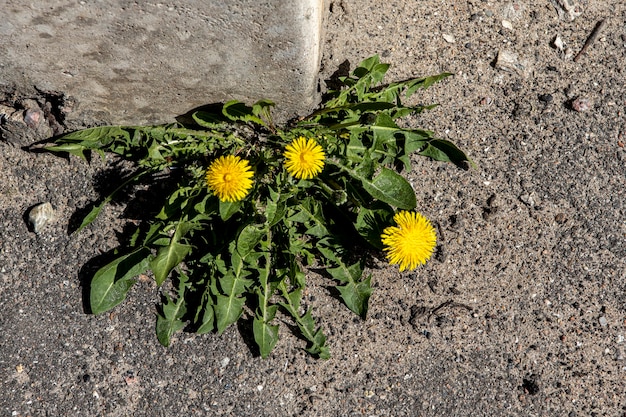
[521, 312]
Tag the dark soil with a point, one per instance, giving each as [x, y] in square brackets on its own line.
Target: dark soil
[521, 312]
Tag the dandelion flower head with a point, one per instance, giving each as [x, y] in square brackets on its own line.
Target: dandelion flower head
[305, 158]
[411, 242]
[230, 178]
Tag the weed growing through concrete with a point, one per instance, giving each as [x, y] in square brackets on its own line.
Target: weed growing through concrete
[255, 204]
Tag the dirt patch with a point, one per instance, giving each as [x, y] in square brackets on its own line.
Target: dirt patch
[522, 311]
[28, 113]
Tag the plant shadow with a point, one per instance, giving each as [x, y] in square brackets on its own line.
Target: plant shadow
[245, 328]
[89, 268]
[211, 111]
[142, 198]
[334, 82]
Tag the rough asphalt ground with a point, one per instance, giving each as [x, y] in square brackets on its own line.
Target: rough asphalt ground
[521, 313]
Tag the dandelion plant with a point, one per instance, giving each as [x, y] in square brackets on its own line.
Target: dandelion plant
[255, 204]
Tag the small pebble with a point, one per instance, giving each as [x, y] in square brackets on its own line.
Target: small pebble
[130, 378]
[569, 9]
[603, 321]
[224, 362]
[449, 38]
[528, 199]
[558, 43]
[511, 62]
[41, 215]
[581, 104]
[546, 98]
[33, 117]
[507, 25]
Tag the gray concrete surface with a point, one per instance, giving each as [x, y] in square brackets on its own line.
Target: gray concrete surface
[533, 241]
[141, 62]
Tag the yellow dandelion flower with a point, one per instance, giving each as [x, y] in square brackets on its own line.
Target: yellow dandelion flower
[230, 178]
[305, 158]
[411, 243]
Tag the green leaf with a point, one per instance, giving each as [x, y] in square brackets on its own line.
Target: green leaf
[309, 212]
[232, 285]
[355, 150]
[378, 72]
[415, 139]
[425, 82]
[366, 65]
[392, 188]
[306, 324]
[275, 210]
[445, 151]
[208, 320]
[388, 186]
[328, 253]
[154, 233]
[110, 283]
[293, 299]
[355, 293]
[103, 138]
[356, 296]
[315, 336]
[167, 258]
[97, 137]
[238, 111]
[72, 148]
[265, 335]
[153, 152]
[365, 169]
[92, 215]
[385, 120]
[227, 209]
[346, 273]
[206, 206]
[263, 109]
[227, 311]
[260, 107]
[248, 238]
[370, 223]
[169, 322]
[208, 120]
[229, 306]
[176, 202]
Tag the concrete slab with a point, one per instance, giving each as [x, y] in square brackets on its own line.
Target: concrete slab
[132, 62]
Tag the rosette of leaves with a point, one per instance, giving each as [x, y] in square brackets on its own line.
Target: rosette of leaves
[222, 260]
